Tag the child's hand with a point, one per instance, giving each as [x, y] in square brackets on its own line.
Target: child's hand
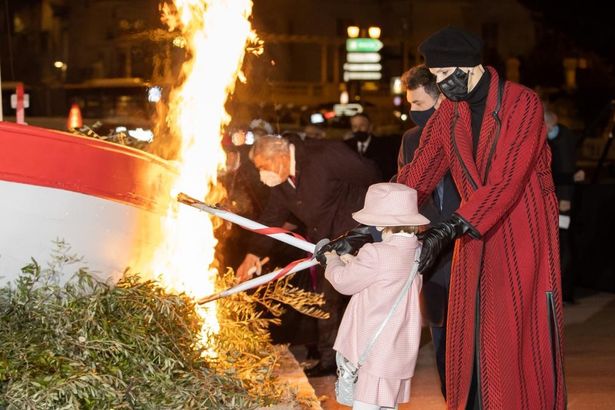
[324, 258]
[330, 255]
[346, 258]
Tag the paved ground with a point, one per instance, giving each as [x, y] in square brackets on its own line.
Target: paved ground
[590, 361]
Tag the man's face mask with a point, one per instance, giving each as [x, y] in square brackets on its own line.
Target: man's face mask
[553, 132]
[420, 118]
[361, 136]
[270, 178]
[455, 86]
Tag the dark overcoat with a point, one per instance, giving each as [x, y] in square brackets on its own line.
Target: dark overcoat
[382, 150]
[331, 181]
[563, 165]
[505, 301]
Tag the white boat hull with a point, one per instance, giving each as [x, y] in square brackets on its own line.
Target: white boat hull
[101, 199]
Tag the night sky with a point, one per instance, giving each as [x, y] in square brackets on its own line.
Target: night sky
[587, 23]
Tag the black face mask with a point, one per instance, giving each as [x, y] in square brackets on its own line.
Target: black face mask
[360, 136]
[420, 118]
[455, 86]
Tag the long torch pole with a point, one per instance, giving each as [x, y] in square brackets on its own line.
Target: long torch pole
[246, 223]
[254, 226]
[253, 283]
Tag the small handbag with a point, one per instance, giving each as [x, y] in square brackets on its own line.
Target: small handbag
[347, 372]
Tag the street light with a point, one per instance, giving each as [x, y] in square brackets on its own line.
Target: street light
[363, 60]
[353, 31]
[374, 32]
[60, 65]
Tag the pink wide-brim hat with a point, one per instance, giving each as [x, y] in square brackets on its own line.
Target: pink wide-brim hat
[390, 204]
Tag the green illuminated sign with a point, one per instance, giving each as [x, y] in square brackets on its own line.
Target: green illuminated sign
[363, 45]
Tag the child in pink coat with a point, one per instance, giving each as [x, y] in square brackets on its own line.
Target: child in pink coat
[375, 278]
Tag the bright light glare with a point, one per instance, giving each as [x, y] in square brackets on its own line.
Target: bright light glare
[154, 94]
[374, 32]
[363, 57]
[317, 118]
[362, 67]
[362, 76]
[353, 31]
[141, 134]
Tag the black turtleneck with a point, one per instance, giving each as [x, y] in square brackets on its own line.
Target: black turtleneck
[477, 98]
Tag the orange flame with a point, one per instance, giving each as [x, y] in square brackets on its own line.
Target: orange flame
[216, 34]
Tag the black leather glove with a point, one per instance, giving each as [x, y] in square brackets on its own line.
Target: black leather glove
[349, 242]
[439, 237]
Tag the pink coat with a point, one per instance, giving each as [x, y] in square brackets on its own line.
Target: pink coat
[375, 278]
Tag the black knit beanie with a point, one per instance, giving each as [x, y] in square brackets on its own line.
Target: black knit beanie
[451, 47]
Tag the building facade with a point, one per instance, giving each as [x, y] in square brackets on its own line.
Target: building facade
[53, 45]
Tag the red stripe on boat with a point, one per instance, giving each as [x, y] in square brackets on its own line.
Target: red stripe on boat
[38, 156]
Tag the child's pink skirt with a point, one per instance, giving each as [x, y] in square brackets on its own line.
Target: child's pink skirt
[380, 391]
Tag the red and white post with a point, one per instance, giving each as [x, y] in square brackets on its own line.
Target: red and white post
[20, 113]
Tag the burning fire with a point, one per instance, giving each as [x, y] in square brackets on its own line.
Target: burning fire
[216, 33]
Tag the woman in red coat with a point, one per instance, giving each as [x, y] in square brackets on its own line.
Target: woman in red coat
[504, 336]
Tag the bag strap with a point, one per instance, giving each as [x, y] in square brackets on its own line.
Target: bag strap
[413, 272]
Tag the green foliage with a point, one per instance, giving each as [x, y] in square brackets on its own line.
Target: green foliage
[243, 343]
[242, 346]
[274, 295]
[84, 345]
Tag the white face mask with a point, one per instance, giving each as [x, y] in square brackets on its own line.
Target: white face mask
[270, 178]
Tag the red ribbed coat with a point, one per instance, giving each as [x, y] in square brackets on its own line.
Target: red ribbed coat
[512, 270]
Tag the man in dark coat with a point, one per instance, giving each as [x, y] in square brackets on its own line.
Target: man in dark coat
[424, 98]
[563, 166]
[321, 183]
[504, 346]
[381, 150]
